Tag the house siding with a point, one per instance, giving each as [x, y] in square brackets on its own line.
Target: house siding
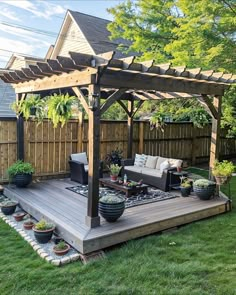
[7, 96]
[18, 64]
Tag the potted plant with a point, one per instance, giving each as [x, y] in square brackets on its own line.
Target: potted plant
[20, 173]
[204, 188]
[222, 171]
[185, 187]
[114, 171]
[28, 224]
[19, 216]
[60, 108]
[111, 207]
[8, 207]
[43, 231]
[61, 248]
[114, 157]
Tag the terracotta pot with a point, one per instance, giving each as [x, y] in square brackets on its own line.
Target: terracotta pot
[28, 226]
[222, 179]
[179, 169]
[114, 177]
[19, 216]
[61, 252]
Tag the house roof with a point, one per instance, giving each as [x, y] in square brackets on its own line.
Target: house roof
[22, 57]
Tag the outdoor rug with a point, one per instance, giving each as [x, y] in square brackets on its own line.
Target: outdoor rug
[154, 195]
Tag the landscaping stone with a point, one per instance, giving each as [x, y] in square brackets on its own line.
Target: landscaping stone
[56, 262]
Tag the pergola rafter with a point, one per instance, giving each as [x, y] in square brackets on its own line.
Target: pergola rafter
[91, 77]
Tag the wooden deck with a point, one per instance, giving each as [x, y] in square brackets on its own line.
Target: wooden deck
[67, 210]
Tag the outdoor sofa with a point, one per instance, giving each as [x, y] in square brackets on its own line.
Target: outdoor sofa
[153, 170]
[79, 168]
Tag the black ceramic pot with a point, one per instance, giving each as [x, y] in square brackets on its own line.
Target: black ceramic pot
[22, 180]
[8, 210]
[43, 236]
[204, 193]
[111, 212]
[185, 191]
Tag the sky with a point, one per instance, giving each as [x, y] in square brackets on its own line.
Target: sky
[31, 26]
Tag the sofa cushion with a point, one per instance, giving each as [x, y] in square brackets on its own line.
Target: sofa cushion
[151, 172]
[151, 162]
[86, 167]
[159, 161]
[80, 157]
[140, 160]
[175, 162]
[133, 169]
[164, 165]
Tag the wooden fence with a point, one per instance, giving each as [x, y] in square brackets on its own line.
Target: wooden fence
[48, 149]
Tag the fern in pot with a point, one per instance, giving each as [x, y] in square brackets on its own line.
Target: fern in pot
[20, 173]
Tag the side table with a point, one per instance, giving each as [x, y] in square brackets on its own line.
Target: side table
[180, 174]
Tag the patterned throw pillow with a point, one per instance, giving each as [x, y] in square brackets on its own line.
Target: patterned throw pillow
[140, 160]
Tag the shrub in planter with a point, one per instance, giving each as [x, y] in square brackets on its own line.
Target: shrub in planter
[61, 248]
[185, 187]
[19, 216]
[204, 188]
[8, 207]
[43, 231]
[111, 207]
[223, 171]
[20, 173]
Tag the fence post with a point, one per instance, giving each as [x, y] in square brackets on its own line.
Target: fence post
[194, 146]
[80, 132]
[20, 138]
[141, 137]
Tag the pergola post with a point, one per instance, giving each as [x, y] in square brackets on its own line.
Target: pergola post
[20, 132]
[215, 133]
[130, 124]
[92, 219]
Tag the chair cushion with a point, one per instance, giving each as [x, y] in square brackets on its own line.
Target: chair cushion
[80, 157]
[151, 172]
[133, 169]
[159, 161]
[164, 165]
[140, 160]
[151, 162]
[175, 162]
[86, 167]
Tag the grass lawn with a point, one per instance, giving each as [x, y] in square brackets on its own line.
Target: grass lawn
[197, 259]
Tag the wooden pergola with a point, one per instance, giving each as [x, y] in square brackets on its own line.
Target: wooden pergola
[91, 78]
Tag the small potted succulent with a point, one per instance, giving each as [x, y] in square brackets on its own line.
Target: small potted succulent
[43, 231]
[28, 223]
[19, 216]
[204, 188]
[111, 207]
[61, 248]
[185, 187]
[20, 173]
[8, 207]
[223, 171]
[114, 171]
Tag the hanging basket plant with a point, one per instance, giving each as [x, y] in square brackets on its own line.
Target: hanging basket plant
[60, 108]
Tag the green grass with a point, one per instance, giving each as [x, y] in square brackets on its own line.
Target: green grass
[197, 259]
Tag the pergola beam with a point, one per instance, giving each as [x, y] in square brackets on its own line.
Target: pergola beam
[112, 98]
[210, 106]
[81, 98]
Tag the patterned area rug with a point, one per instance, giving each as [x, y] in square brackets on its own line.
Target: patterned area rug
[154, 195]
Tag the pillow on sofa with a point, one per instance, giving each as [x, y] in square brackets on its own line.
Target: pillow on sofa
[159, 161]
[164, 165]
[80, 157]
[151, 162]
[140, 160]
[175, 162]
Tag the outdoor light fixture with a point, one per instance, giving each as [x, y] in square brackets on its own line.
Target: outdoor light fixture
[93, 101]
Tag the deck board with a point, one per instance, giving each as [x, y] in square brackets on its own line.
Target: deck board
[50, 199]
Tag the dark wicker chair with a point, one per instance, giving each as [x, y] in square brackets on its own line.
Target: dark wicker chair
[79, 171]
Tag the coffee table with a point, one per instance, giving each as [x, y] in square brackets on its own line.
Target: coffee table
[120, 187]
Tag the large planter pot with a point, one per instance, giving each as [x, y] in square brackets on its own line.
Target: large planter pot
[220, 180]
[204, 193]
[22, 180]
[8, 210]
[43, 236]
[111, 212]
[185, 191]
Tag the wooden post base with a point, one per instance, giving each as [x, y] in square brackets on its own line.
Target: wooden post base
[86, 258]
[92, 221]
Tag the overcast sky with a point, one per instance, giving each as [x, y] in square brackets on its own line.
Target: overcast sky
[30, 26]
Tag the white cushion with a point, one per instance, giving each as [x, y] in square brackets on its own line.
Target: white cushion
[134, 169]
[159, 161]
[80, 157]
[140, 160]
[164, 165]
[151, 162]
[151, 172]
[175, 162]
[86, 167]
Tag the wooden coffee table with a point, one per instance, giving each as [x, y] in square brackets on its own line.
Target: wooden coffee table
[120, 187]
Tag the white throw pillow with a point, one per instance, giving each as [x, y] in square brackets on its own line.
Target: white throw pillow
[159, 161]
[140, 160]
[175, 162]
[151, 162]
[164, 165]
[80, 157]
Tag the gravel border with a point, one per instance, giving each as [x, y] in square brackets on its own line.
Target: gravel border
[45, 251]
